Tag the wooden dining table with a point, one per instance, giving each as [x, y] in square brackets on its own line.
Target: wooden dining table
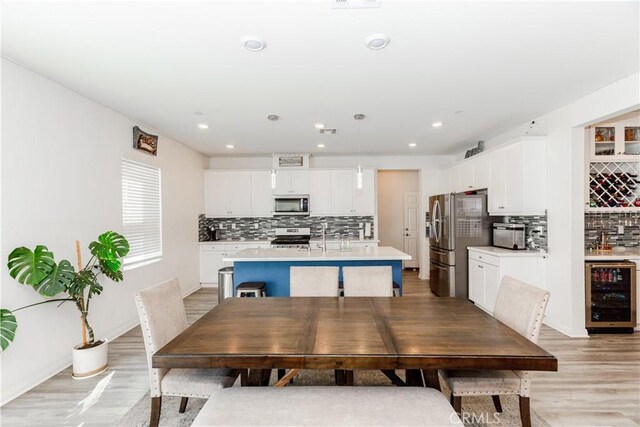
[417, 334]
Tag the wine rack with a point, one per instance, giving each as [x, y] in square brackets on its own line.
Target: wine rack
[610, 295]
[614, 185]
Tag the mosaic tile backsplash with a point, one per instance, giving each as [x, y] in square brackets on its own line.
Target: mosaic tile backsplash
[263, 228]
[595, 223]
[535, 227]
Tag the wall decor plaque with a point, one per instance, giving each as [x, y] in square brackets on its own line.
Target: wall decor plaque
[145, 141]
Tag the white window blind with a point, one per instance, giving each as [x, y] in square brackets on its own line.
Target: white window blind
[141, 212]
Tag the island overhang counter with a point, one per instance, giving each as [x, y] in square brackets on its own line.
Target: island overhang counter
[271, 265]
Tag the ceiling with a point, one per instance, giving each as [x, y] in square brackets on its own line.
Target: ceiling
[480, 67]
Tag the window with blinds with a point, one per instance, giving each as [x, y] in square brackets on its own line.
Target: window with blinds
[141, 213]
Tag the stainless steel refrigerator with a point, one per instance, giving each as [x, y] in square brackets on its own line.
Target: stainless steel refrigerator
[457, 221]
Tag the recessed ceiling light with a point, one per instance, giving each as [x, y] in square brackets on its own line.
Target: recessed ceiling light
[320, 145]
[377, 41]
[203, 126]
[436, 124]
[197, 113]
[319, 125]
[230, 146]
[413, 144]
[359, 116]
[253, 43]
[273, 117]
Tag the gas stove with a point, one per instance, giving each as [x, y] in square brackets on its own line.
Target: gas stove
[292, 238]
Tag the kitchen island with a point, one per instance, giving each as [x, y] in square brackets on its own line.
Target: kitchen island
[271, 265]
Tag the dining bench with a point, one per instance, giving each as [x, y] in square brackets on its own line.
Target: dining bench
[327, 406]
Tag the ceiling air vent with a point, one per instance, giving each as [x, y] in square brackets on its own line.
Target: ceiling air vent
[355, 4]
[328, 131]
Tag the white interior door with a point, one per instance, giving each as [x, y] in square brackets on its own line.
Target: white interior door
[411, 235]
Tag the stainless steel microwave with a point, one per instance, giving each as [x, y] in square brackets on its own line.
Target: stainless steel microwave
[291, 204]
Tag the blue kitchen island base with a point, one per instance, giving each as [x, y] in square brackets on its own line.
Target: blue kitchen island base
[276, 273]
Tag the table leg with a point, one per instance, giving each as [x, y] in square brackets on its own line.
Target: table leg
[414, 378]
[258, 377]
[431, 378]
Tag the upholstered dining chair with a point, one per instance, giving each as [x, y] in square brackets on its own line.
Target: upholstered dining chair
[162, 318]
[521, 307]
[313, 281]
[367, 281]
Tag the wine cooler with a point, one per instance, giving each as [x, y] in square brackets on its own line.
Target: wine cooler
[610, 296]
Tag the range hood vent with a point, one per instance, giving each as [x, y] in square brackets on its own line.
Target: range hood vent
[328, 131]
[355, 4]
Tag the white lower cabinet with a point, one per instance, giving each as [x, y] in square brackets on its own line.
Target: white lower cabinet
[486, 273]
[211, 256]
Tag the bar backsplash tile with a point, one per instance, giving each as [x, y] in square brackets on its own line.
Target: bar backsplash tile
[262, 228]
[596, 222]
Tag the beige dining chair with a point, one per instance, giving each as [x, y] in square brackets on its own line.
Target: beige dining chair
[521, 307]
[162, 318]
[313, 281]
[367, 281]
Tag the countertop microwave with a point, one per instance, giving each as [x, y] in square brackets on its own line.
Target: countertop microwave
[291, 204]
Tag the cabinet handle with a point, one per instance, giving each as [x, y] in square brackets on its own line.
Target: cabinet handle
[500, 207]
[471, 186]
[480, 266]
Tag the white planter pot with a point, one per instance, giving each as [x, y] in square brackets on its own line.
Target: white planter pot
[90, 362]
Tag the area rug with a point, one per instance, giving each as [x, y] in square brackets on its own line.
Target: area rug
[477, 411]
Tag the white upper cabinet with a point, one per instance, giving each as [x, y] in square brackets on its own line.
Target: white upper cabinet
[249, 193]
[514, 176]
[518, 184]
[261, 197]
[292, 182]
[347, 199]
[216, 194]
[342, 189]
[481, 172]
[320, 192]
[227, 194]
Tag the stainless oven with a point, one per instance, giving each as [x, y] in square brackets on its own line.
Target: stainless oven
[291, 204]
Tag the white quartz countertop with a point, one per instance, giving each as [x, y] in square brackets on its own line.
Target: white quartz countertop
[617, 254]
[234, 242]
[386, 253]
[502, 252]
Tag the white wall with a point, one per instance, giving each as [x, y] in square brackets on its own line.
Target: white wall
[392, 185]
[428, 168]
[61, 182]
[565, 178]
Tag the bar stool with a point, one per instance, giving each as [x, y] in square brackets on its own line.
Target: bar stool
[251, 289]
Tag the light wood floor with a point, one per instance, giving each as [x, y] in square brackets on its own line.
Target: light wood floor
[598, 382]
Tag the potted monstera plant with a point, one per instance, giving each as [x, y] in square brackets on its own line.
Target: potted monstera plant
[61, 282]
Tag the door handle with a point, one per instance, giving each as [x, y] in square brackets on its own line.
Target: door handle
[407, 234]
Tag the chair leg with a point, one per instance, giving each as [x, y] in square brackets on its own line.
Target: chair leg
[525, 412]
[349, 378]
[156, 404]
[496, 402]
[183, 405]
[456, 402]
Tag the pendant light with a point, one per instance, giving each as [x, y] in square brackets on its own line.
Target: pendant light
[359, 178]
[273, 118]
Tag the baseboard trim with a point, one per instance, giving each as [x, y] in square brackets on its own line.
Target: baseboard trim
[64, 363]
[563, 330]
